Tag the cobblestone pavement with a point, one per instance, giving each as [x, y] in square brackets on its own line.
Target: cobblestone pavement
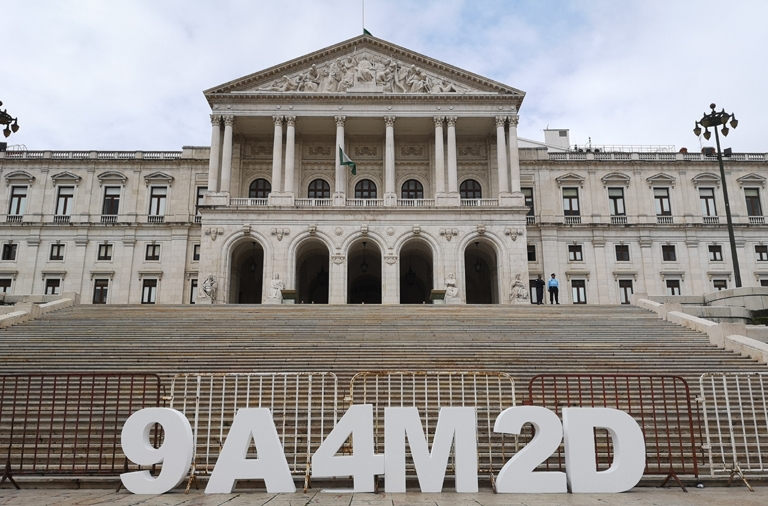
[639, 496]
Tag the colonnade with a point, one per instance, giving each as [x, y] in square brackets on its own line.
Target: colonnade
[508, 159]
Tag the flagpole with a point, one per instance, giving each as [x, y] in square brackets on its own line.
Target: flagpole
[363, 15]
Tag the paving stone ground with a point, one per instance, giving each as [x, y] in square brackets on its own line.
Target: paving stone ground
[639, 496]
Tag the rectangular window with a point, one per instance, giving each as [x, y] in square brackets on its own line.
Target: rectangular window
[715, 253]
[65, 200]
[571, 202]
[661, 196]
[192, 291]
[200, 196]
[52, 286]
[668, 253]
[574, 253]
[625, 290]
[531, 252]
[753, 201]
[622, 253]
[673, 287]
[720, 284]
[761, 252]
[196, 253]
[105, 252]
[148, 291]
[100, 290]
[9, 251]
[153, 252]
[528, 193]
[579, 289]
[764, 282]
[18, 200]
[57, 252]
[111, 200]
[5, 285]
[157, 196]
[707, 197]
[616, 201]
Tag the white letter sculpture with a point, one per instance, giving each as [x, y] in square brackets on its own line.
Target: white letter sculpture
[232, 465]
[580, 459]
[175, 453]
[453, 423]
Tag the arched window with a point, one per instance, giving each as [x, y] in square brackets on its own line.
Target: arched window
[470, 189]
[365, 189]
[412, 189]
[259, 189]
[319, 189]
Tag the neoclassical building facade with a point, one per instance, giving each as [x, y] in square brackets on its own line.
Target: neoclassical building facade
[444, 203]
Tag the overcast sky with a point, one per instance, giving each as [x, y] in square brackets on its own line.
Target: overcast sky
[129, 74]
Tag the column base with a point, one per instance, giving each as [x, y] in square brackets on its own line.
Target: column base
[281, 199]
[273, 300]
[216, 199]
[452, 301]
[390, 200]
[448, 200]
[339, 199]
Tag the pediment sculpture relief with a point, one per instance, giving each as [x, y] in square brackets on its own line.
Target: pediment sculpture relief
[364, 72]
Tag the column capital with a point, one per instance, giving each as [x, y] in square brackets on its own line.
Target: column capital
[290, 120]
[500, 121]
[228, 120]
[438, 120]
[389, 121]
[451, 120]
[277, 120]
[340, 120]
[215, 119]
[513, 120]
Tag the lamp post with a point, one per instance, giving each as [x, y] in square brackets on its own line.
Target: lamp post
[713, 120]
[11, 123]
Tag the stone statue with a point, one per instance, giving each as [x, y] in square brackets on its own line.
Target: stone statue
[451, 292]
[276, 288]
[519, 291]
[209, 287]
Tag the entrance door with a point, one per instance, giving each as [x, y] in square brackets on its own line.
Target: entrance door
[480, 273]
[247, 273]
[364, 273]
[415, 273]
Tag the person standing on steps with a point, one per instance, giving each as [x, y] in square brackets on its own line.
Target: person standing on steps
[554, 289]
[539, 290]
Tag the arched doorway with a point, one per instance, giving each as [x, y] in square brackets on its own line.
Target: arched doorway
[415, 273]
[246, 276]
[312, 272]
[364, 273]
[481, 273]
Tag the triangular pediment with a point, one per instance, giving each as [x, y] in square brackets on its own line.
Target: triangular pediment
[570, 179]
[65, 177]
[752, 179]
[706, 178]
[662, 179]
[367, 65]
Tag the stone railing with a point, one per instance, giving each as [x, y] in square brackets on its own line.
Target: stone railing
[661, 156]
[313, 202]
[479, 202]
[98, 155]
[416, 202]
[249, 202]
[365, 202]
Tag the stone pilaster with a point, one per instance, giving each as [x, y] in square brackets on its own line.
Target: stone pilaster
[290, 153]
[390, 195]
[514, 155]
[226, 155]
[501, 156]
[213, 164]
[339, 196]
[439, 157]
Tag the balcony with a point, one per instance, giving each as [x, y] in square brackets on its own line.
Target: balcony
[711, 220]
[109, 218]
[479, 202]
[313, 202]
[415, 202]
[530, 220]
[664, 220]
[14, 218]
[365, 202]
[753, 220]
[198, 219]
[248, 202]
[61, 219]
[572, 220]
[154, 219]
[618, 220]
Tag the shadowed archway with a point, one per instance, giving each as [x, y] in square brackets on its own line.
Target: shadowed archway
[364, 273]
[312, 272]
[246, 277]
[481, 273]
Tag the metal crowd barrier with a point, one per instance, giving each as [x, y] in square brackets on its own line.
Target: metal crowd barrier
[661, 405]
[69, 424]
[490, 392]
[735, 411]
[304, 408]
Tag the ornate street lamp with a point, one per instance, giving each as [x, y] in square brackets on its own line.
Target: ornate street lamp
[478, 267]
[364, 265]
[714, 120]
[11, 123]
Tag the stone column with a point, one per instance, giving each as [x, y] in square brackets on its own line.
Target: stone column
[453, 171]
[341, 174]
[514, 155]
[290, 153]
[390, 195]
[501, 156]
[213, 164]
[277, 155]
[439, 156]
[226, 155]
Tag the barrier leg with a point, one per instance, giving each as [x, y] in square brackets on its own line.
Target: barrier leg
[673, 475]
[7, 475]
[736, 470]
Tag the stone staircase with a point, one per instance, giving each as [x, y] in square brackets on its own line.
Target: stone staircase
[519, 340]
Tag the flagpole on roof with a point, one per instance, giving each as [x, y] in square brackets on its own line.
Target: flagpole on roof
[363, 16]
